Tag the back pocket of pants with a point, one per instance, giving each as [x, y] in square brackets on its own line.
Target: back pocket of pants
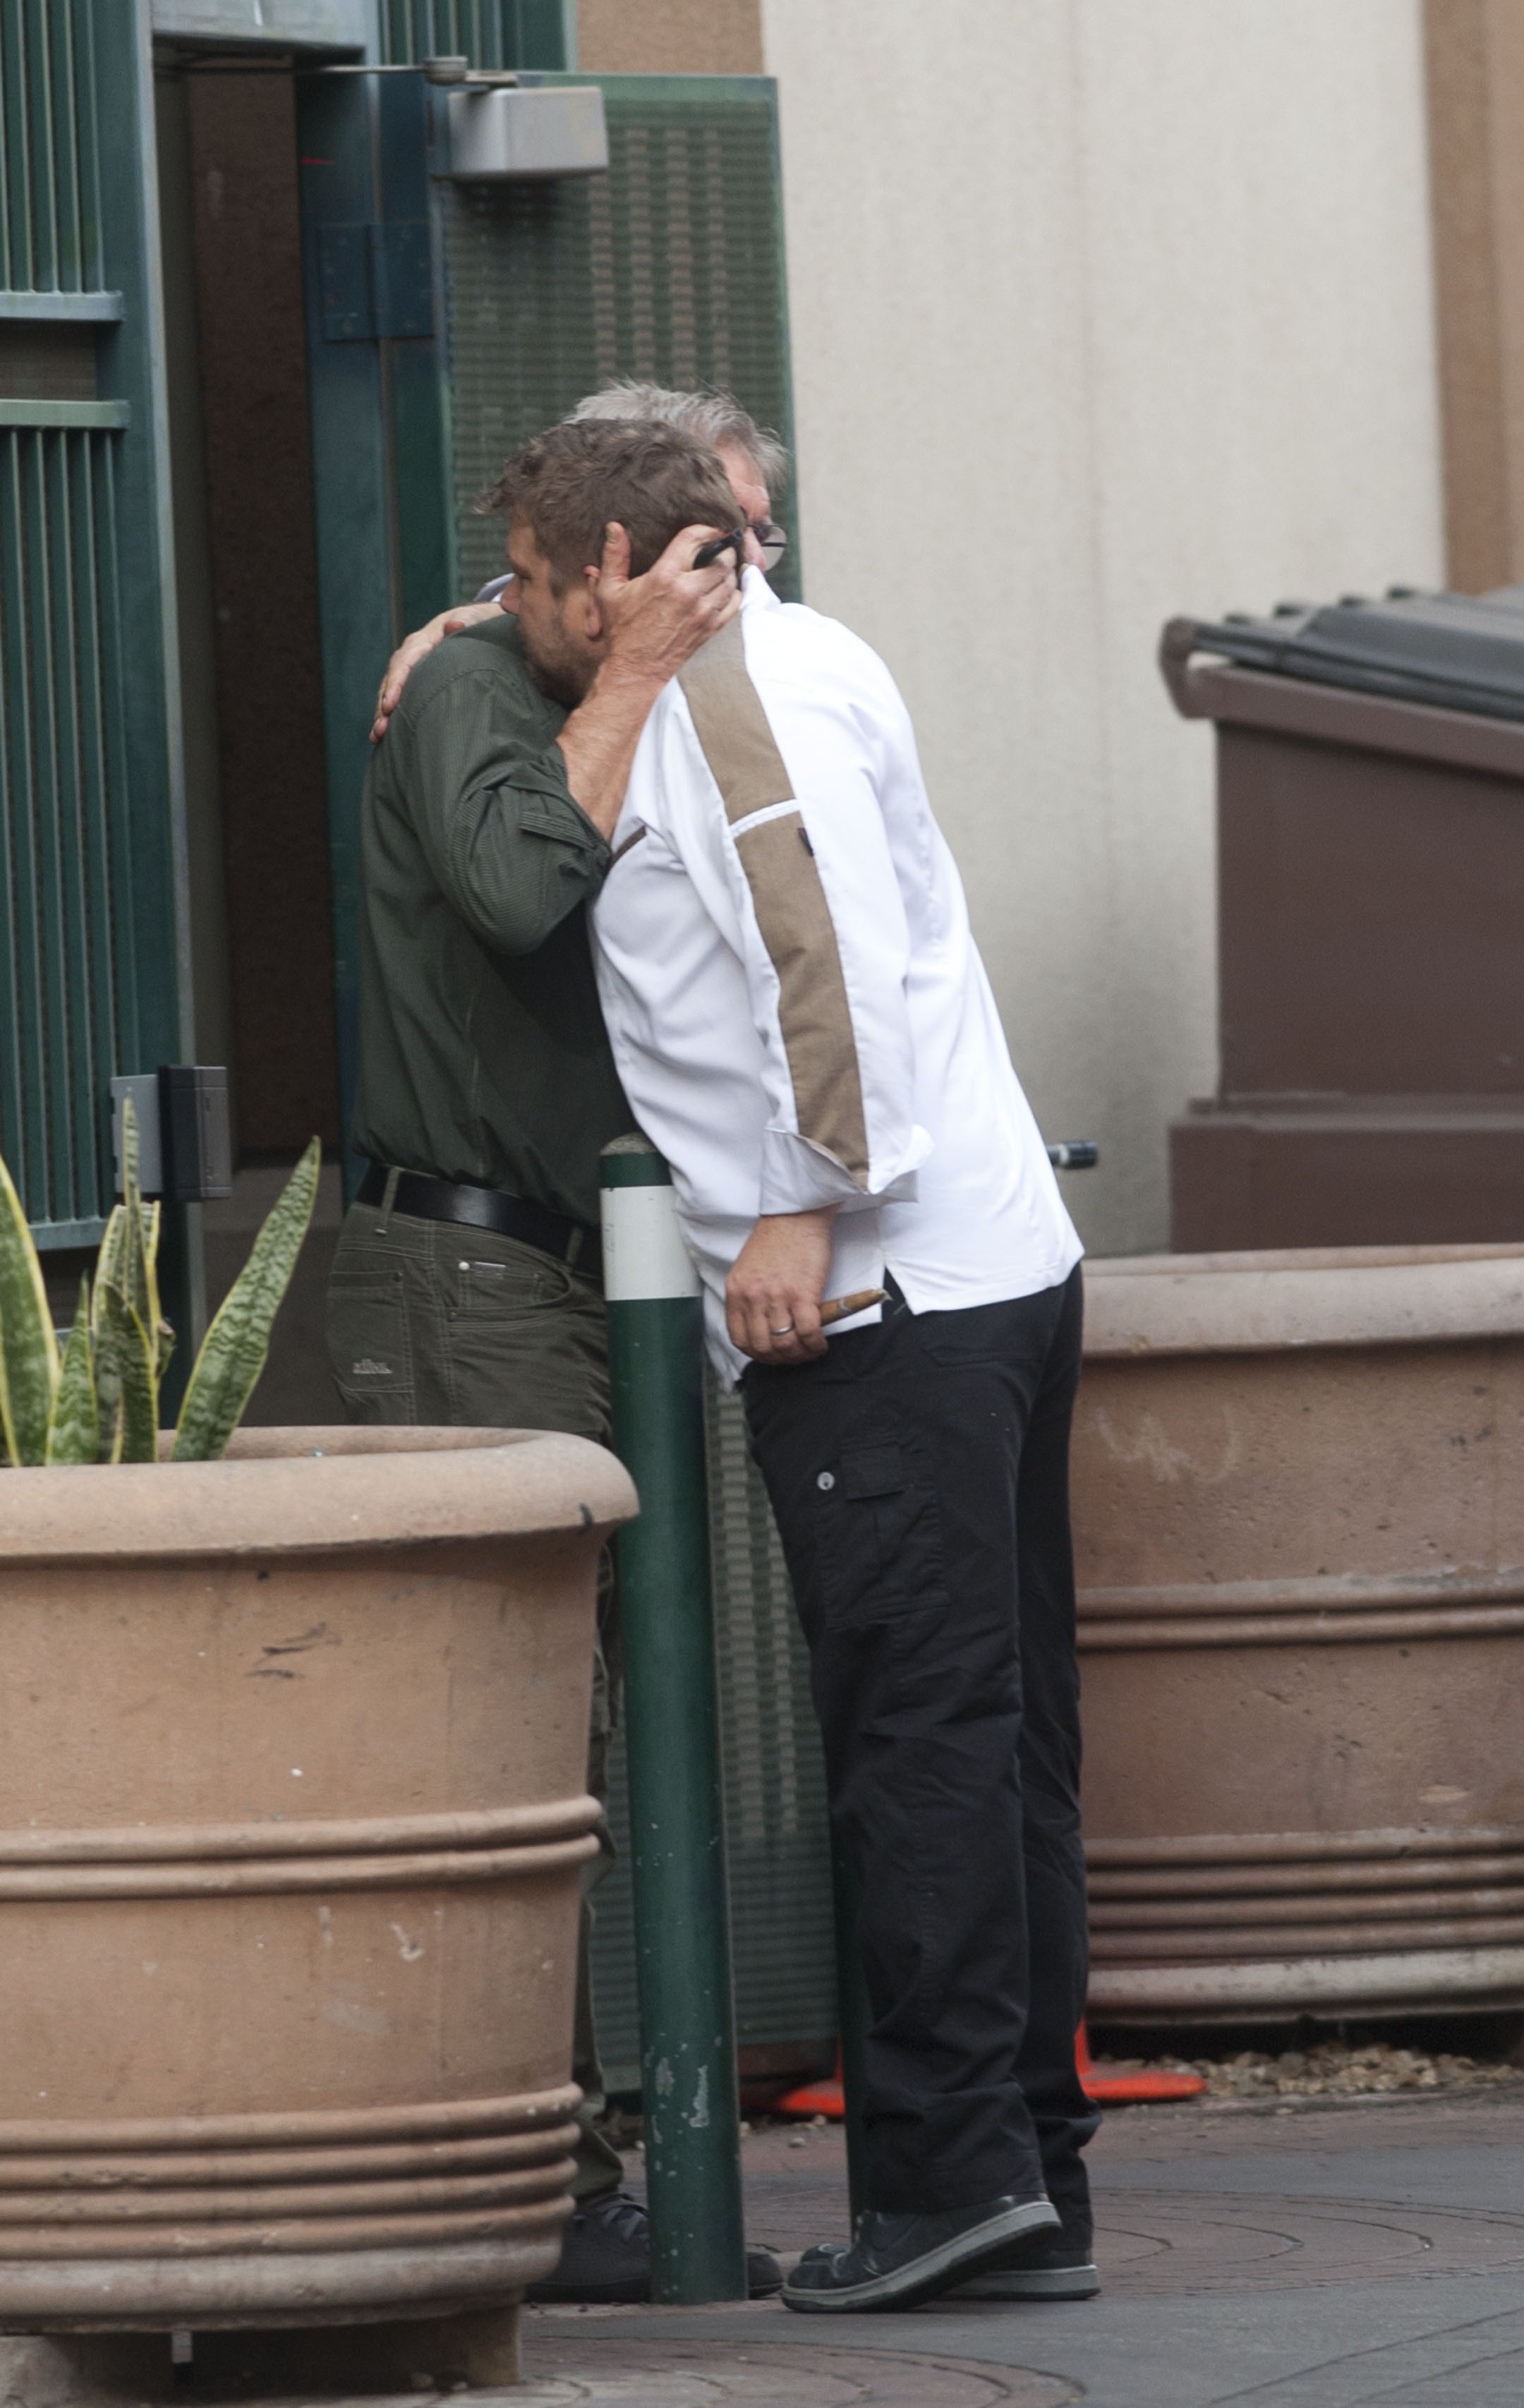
[367, 1347]
[881, 1538]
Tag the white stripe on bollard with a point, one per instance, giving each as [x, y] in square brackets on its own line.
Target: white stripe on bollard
[644, 1258]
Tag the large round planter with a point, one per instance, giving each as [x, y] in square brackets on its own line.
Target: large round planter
[292, 1818]
[1299, 1521]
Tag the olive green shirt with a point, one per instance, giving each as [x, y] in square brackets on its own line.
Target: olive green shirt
[482, 1055]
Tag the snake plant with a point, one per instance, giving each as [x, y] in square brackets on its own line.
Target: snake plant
[96, 1400]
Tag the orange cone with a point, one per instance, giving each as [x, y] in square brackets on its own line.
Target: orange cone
[1129, 2089]
[816, 2098]
[1107, 2089]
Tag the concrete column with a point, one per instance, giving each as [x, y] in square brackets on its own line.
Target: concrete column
[1476, 80]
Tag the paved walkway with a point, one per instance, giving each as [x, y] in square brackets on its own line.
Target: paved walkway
[1325, 2256]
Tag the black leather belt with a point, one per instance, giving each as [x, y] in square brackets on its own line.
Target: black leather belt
[488, 1207]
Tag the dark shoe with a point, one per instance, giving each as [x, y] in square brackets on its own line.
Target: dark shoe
[1043, 2271]
[605, 2259]
[896, 2261]
[1047, 2265]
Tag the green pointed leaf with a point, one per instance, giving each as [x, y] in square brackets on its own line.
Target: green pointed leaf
[131, 1152]
[74, 1434]
[137, 1439]
[28, 1345]
[108, 1379]
[107, 1263]
[140, 1241]
[158, 1328]
[107, 1364]
[233, 1354]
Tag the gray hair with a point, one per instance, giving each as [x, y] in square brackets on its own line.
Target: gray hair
[713, 418]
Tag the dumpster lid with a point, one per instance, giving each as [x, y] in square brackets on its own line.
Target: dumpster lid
[1462, 651]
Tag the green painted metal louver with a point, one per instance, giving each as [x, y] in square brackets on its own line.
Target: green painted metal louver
[51, 164]
[486, 32]
[67, 969]
[89, 971]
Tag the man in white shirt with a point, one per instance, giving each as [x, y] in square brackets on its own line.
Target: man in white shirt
[804, 1028]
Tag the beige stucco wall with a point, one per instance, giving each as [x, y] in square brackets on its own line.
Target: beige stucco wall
[1102, 311]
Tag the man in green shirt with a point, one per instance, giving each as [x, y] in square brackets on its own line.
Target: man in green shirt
[466, 1287]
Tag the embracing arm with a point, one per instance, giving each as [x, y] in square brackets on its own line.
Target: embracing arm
[417, 647]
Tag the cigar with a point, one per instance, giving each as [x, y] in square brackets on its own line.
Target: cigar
[842, 1308]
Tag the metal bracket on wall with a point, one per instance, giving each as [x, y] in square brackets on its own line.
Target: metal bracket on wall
[377, 281]
[184, 1140]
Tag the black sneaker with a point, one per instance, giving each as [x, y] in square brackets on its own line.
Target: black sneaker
[1046, 2265]
[896, 2261]
[1046, 2270]
[605, 2259]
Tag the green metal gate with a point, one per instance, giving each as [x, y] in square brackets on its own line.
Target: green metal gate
[93, 937]
[447, 321]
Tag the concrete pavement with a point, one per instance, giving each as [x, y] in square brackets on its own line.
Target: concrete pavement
[1320, 2256]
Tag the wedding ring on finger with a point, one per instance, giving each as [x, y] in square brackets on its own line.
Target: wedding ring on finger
[787, 1331]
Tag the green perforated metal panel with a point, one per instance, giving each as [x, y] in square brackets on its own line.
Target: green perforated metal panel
[777, 1844]
[669, 267]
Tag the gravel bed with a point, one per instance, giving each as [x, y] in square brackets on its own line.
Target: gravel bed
[1329, 2069]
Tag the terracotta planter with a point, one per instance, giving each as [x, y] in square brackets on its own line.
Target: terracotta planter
[292, 1815]
[1300, 1516]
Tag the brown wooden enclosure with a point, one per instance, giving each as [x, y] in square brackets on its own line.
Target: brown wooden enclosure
[259, 518]
[1372, 911]
[1371, 895]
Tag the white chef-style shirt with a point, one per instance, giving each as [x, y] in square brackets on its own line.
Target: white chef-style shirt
[796, 1007]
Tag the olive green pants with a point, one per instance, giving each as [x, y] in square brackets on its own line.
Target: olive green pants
[430, 1322]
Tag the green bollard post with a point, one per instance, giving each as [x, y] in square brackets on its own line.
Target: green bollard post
[672, 1721]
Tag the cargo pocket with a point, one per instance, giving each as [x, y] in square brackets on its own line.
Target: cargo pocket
[880, 1535]
[367, 1347]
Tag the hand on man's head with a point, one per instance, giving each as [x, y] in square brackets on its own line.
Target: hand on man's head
[657, 621]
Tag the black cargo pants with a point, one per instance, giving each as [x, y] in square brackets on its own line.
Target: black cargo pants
[431, 1322]
[919, 1473]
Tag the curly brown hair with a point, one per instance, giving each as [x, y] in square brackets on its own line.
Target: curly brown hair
[570, 482]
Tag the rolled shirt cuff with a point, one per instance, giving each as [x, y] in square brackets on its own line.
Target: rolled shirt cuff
[798, 1176]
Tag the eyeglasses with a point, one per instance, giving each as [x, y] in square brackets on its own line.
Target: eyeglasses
[771, 540]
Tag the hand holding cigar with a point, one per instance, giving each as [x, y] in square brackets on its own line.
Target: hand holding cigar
[842, 1308]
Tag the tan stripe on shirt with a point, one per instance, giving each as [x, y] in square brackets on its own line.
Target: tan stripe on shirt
[787, 896]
